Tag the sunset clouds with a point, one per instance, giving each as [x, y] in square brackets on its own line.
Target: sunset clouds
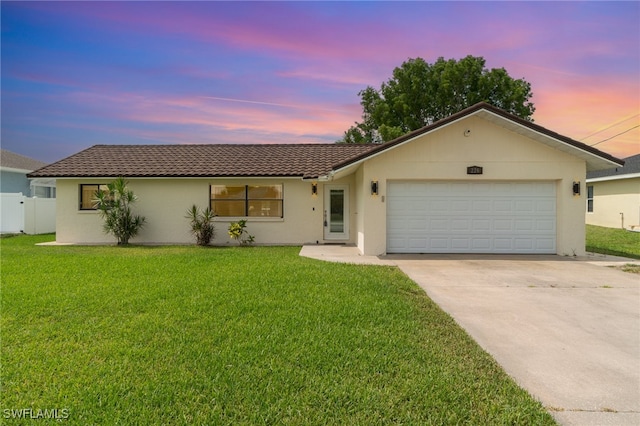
[76, 74]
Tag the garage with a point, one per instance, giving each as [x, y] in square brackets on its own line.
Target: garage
[471, 217]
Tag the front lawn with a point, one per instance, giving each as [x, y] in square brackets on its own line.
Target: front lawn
[191, 335]
[617, 242]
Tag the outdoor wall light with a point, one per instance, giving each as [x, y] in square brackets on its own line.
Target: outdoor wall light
[374, 187]
[576, 188]
[314, 189]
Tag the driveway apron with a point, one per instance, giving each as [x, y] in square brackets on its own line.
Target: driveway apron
[566, 330]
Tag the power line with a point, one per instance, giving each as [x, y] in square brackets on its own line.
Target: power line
[610, 126]
[615, 136]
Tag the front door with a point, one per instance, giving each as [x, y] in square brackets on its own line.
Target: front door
[336, 212]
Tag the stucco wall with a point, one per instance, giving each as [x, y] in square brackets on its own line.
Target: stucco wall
[443, 154]
[164, 203]
[504, 155]
[613, 197]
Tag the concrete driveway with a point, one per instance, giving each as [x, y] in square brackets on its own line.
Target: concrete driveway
[566, 330]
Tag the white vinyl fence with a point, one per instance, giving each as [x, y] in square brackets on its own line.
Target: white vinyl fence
[20, 214]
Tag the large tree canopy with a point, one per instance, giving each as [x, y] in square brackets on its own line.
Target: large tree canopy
[420, 94]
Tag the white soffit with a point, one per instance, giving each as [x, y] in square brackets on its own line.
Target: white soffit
[614, 177]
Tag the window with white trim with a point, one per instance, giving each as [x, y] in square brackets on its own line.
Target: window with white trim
[589, 198]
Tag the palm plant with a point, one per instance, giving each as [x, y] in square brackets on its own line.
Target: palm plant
[201, 224]
[115, 207]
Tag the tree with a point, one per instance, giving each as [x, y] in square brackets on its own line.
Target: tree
[419, 94]
[115, 207]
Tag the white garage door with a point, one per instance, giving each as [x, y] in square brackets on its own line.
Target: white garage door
[471, 217]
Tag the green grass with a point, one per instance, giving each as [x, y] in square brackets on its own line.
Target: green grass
[617, 242]
[192, 335]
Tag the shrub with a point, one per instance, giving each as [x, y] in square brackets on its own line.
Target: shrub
[115, 207]
[201, 224]
[238, 232]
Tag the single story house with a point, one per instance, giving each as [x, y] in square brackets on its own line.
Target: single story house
[613, 196]
[479, 181]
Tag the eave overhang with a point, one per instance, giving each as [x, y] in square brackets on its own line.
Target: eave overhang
[594, 158]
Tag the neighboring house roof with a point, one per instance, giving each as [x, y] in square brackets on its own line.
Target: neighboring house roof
[17, 162]
[292, 160]
[630, 169]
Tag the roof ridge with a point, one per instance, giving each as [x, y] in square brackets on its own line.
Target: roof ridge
[228, 144]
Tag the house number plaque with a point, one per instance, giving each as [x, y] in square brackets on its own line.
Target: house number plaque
[474, 170]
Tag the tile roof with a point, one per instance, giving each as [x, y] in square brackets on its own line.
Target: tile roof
[631, 166]
[16, 161]
[283, 160]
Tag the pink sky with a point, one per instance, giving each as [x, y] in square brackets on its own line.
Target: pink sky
[83, 73]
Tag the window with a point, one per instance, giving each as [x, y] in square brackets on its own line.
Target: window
[590, 198]
[88, 193]
[247, 200]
